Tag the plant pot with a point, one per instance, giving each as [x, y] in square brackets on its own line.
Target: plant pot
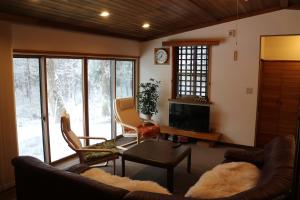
[148, 117]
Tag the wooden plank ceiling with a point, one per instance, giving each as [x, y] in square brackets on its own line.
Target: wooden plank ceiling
[127, 16]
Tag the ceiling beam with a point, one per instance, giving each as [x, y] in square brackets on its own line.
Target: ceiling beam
[19, 19]
[176, 43]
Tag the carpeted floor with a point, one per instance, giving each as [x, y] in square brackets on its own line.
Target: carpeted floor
[203, 158]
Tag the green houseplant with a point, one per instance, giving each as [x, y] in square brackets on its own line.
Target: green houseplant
[148, 97]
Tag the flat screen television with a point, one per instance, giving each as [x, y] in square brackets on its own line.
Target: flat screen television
[189, 117]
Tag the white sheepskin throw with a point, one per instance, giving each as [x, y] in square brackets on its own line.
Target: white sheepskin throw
[225, 180]
[124, 182]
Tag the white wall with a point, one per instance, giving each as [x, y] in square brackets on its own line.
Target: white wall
[50, 39]
[233, 112]
[8, 143]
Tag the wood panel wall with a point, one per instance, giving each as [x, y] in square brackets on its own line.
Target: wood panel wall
[8, 136]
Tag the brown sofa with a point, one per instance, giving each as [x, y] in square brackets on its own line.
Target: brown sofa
[36, 180]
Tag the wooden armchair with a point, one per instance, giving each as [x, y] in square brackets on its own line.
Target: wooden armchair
[132, 125]
[94, 154]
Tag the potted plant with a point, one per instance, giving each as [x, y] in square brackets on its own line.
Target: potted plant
[148, 97]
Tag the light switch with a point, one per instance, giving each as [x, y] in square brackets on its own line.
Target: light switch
[249, 90]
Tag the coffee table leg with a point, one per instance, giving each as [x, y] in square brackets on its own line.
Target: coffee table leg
[123, 166]
[170, 176]
[189, 162]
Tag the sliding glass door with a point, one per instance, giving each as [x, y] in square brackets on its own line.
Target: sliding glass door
[28, 106]
[64, 92]
[45, 87]
[99, 98]
[124, 83]
[124, 79]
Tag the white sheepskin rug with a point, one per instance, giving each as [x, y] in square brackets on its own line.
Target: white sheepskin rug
[225, 180]
[124, 182]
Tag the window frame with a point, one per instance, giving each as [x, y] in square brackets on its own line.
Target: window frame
[175, 67]
[43, 55]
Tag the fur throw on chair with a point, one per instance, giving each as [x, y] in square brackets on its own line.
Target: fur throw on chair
[124, 182]
[225, 180]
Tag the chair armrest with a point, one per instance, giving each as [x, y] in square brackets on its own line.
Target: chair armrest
[95, 150]
[128, 126]
[93, 138]
[78, 169]
[253, 156]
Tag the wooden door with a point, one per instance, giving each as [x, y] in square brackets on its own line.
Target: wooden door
[279, 100]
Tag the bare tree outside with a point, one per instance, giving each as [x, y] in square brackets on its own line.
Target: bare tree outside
[99, 86]
[64, 90]
[124, 79]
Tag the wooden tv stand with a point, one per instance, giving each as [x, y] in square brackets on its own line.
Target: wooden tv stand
[212, 137]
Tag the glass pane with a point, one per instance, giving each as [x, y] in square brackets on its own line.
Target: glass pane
[99, 98]
[28, 107]
[124, 79]
[64, 85]
[124, 82]
[119, 129]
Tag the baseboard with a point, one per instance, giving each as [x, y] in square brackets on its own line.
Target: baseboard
[7, 186]
[235, 145]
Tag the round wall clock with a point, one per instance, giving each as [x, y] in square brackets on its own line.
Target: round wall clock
[161, 56]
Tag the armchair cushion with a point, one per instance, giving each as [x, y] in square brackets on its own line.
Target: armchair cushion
[126, 103]
[66, 130]
[126, 112]
[74, 139]
[130, 117]
[109, 144]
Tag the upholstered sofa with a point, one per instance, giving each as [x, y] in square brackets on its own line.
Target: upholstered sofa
[36, 180]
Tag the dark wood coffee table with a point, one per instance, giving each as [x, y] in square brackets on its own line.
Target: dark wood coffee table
[163, 154]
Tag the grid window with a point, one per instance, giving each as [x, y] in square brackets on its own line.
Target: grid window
[192, 71]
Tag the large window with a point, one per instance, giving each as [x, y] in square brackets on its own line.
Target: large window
[192, 71]
[28, 106]
[45, 87]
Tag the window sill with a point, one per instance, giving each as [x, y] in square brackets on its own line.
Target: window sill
[189, 101]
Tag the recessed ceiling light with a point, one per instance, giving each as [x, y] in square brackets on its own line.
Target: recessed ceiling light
[104, 14]
[146, 25]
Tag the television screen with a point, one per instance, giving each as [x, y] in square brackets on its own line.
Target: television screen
[189, 117]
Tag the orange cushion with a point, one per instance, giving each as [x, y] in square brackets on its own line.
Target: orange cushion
[149, 130]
